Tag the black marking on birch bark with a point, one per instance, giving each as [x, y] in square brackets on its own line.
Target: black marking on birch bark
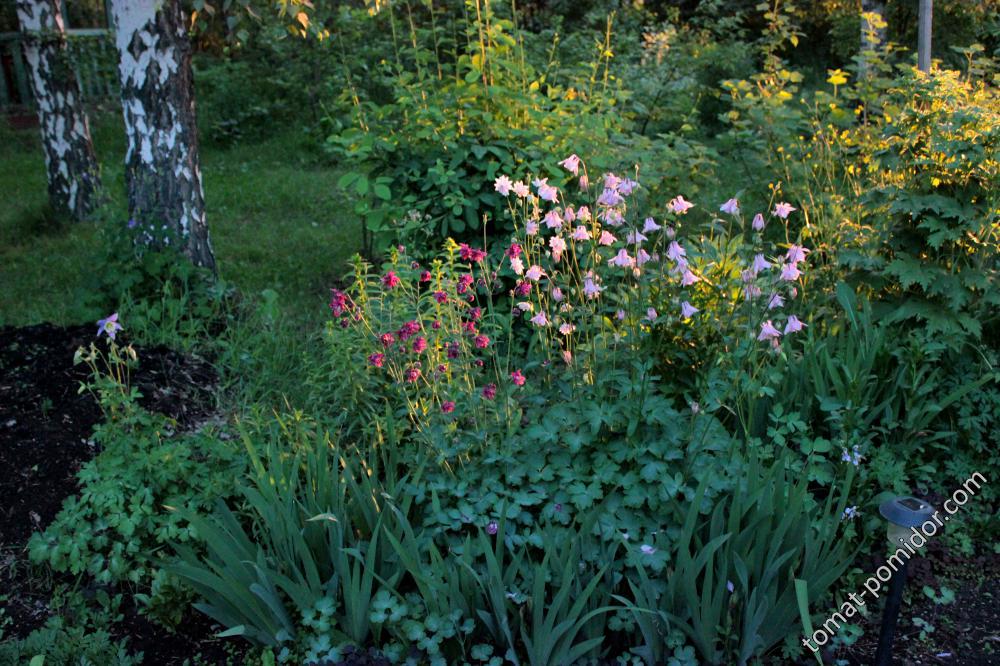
[161, 166]
[73, 172]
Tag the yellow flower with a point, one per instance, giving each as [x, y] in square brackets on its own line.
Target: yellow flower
[837, 77]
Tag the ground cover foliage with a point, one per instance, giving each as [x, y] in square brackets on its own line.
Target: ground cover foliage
[650, 310]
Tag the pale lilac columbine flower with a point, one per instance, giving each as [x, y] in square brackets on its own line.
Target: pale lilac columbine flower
[503, 185]
[776, 301]
[580, 233]
[552, 219]
[567, 329]
[109, 326]
[794, 325]
[571, 164]
[646, 549]
[591, 289]
[531, 227]
[612, 216]
[796, 254]
[783, 210]
[850, 513]
[670, 232]
[679, 205]
[520, 189]
[622, 259]
[642, 257]
[492, 528]
[635, 237]
[583, 214]
[611, 181]
[650, 225]
[651, 314]
[731, 207]
[758, 222]
[517, 265]
[687, 310]
[534, 273]
[675, 251]
[627, 186]
[132, 224]
[557, 294]
[729, 586]
[768, 331]
[606, 238]
[558, 246]
[620, 315]
[853, 456]
[747, 276]
[751, 291]
[759, 264]
[689, 279]
[540, 319]
[790, 272]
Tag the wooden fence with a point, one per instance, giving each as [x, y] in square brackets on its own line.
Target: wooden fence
[94, 58]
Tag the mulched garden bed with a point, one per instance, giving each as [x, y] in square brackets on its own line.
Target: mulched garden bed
[45, 427]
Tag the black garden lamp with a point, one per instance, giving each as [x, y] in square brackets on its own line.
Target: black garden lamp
[902, 514]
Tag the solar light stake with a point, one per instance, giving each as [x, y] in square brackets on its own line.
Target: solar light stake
[902, 514]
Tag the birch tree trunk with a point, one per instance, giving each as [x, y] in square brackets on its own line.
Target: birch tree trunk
[73, 175]
[161, 166]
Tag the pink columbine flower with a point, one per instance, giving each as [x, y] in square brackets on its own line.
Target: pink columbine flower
[411, 375]
[540, 319]
[783, 210]
[650, 225]
[606, 238]
[470, 253]
[378, 360]
[522, 289]
[552, 219]
[583, 214]
[694, 406]
[569, 215]
[567, 329]
[408, 330]
[591, 289]
[440, 297]
[768, 331]
[731, 207]
[518, 378]
[675, 251]
[517, 265]
[386, 339]
[482, 341]
[531, 227]
[419, 345]
[689, 279]
[584, 183]
[513, 251]
[534, 273]
[759, 264]
[790, 272]
[793, 325]
[627, 186]
[558, 245]
[475, 313]
[448, 406]
[425, 276]
[520, 189]
[622, 259]
[503, 185]
[557, 294]
[776, 301]
[338, 304]
[679, 205]
[490, 391]
[687, 310]
[580, 233]
[571, 164]
[796, 254]
[758, 222]
[651, 314]
[548, 193]
[611, 181]
[567, 357]
[642, 257]
[390, 280]
[612, 216]
[525, 306]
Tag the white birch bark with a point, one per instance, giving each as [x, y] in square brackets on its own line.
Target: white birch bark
[161, 166]
[73, 175]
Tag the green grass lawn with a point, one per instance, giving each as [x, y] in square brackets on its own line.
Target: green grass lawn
[275, 219]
